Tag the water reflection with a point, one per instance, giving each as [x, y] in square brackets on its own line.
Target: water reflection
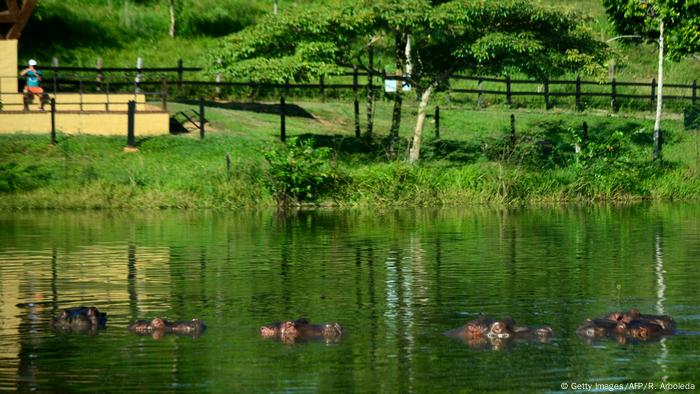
[395, 280]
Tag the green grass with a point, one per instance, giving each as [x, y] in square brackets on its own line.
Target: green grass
[469, 164]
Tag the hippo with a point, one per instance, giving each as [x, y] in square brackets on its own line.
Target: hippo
[292, 331]
[80, 319]
[630, 325]
[158, 327]
[488, 333]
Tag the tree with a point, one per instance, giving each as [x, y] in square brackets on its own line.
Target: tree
[496, 37]
[672, 24]
[301, 45]
[171, 8]
[445, 37]
[296, 46]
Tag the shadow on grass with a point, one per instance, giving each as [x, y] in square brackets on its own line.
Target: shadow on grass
[261, 108]
[351, 148]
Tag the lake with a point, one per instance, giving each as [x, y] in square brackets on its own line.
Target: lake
[396, 280]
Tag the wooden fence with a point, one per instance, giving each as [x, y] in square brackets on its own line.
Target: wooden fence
[164, 78]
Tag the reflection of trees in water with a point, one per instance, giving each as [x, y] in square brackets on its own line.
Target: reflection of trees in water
[660, 294]
[131, 281]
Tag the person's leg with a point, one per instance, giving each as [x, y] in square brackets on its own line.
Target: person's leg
[44, 100]
[26, 99]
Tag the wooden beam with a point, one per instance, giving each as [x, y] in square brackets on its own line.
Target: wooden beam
[23, 18]
[12, 7]
[7, 17]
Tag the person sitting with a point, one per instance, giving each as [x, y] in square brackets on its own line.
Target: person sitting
[33, 86]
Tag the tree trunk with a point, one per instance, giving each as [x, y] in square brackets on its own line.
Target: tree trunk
[171, 32]
[414, 153]
[400, 45]
[659, 95]
[370, 94]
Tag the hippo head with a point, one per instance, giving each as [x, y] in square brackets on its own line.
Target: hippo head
[543, 332]
[157, 324]
[620, 328]
[645, 330]
[499, 329]
[332, 330]
[270, 330]
[589, 329]
[614, 316]
[478, 327]
[630, 315]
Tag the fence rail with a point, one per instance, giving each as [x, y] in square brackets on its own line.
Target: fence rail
[141, 77]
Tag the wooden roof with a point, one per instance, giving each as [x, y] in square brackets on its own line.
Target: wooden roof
[14, 17]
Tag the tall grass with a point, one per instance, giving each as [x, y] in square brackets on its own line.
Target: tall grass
[472, 162]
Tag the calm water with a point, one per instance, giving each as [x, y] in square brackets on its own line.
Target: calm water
[396, 280]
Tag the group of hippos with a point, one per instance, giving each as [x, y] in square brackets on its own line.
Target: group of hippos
[483, 332]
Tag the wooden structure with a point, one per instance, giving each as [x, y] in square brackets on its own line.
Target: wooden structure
[14, 18]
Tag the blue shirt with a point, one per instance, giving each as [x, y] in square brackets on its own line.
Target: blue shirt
[33, 78]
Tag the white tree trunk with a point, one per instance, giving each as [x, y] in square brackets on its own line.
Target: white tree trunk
[409, 66]
[659, 95]
[172, 18]
[414, 153]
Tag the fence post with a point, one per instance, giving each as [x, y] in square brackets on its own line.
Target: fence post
[578, 93]
[130, 143]
[323, 93]
[283, 125]
[354, 78]
[164, 94]
[695, 90]
[480, 99]
[584, 140]
[512, 131]
[80, 91]
[613, 96]
[99, 76]
[53, 121]
[54, 65]
[107, 96]
[357, 118]
[201, 118]
[546, 94]
[509, 98]
[179, 75]
[137, 79]
[437, 121]
[228, 165]
[652, 96]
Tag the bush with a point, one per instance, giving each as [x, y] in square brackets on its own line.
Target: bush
[17, 178]
[299, 172]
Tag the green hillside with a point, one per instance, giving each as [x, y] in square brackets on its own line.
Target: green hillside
[77, 32]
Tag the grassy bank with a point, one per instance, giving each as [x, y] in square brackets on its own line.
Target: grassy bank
[474, 161]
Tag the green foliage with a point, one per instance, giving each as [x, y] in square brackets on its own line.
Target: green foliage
[681, 21]
[299, 172]
[297, 46]
[691, 117]
[16, 177]
[216, 18]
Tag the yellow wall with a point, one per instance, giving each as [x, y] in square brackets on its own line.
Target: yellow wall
[8, 66]
[97, 123]
[78, 102]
